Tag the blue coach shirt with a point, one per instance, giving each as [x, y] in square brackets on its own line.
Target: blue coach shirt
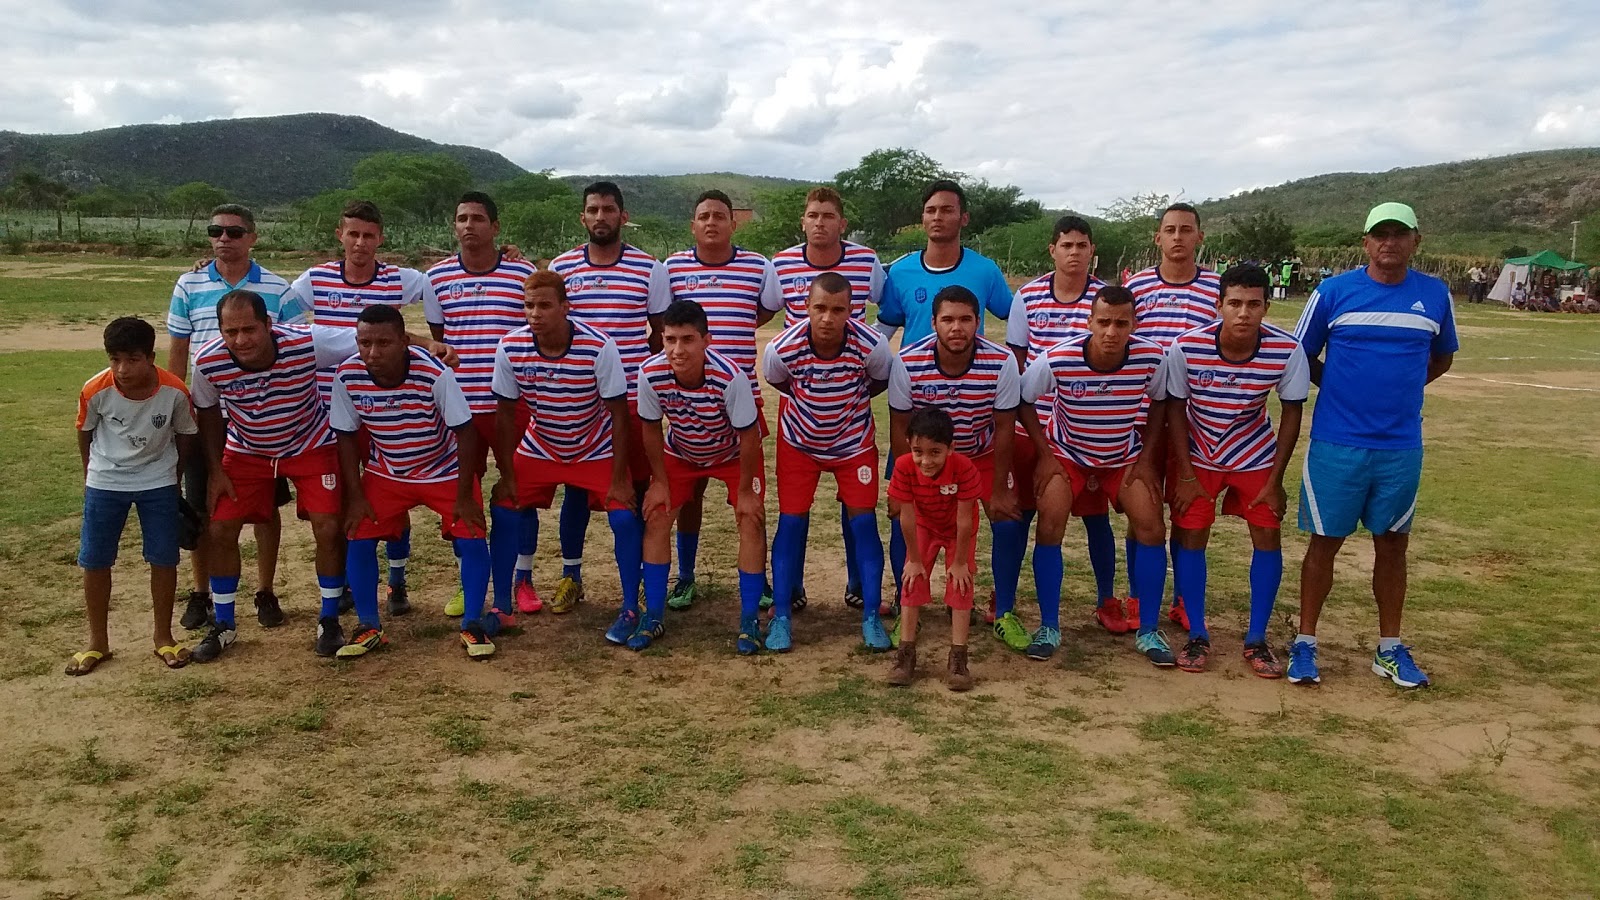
[1377, 340]
[909, 289]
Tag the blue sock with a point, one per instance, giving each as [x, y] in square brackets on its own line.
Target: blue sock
[1010, 545]
[688, 549]
[223, 592]
[361, 567]
[398, 552]
[506, 527]
[1102, 554]
[628, 534]
[1189, 581]
[1266, 574]
[527, 544]
[474, 555]
[869, 549]
[852, 565]
[1172, 555]
[751, 584]
[1047, 583]
[655, 589]
[788, 547]
[332, 589]
[897, 552]
[1150, 580]
[1131, 548]
[573, 527]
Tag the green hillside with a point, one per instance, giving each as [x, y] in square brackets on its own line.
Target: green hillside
[672, 196]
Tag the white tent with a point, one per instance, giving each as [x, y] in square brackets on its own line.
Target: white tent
[1510, 277]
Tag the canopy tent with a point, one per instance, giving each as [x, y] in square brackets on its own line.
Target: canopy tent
[1516, 270]
[1546, 259]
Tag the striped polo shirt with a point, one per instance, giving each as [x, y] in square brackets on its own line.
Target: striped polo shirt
[1162, 310]
[192, 313]
[858, 264]
[565, 395]
[731, 293]
[337, 303]
[1229, 429]
[828, 411]
[1095, 414]
[274, 412]
[617, 299]
[703, 422]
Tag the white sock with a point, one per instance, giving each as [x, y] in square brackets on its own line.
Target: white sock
[329, 593]
[1310, 639]
[1386, 644]
[398, 562]
[524, 562]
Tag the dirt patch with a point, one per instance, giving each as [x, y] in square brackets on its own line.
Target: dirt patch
[50, 337]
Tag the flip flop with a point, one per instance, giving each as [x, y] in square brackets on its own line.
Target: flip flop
[173, 657]
[86, 661]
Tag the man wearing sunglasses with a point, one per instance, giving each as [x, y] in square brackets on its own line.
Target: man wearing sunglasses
[191, 323]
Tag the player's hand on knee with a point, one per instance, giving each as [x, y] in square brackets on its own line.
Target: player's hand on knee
[219, 486]
[1275, 497]
[750, 507]
[961, 577]
[912, 571]
[470, 511]
[657, 501]
[356, 511]
[621, 495]
[1003, 506]
[504, 490]
[1048, 469]
[1187, 493]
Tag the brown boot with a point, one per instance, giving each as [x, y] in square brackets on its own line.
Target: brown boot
[905, 665]
[958, 678]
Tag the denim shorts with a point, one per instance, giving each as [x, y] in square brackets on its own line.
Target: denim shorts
[106, 512]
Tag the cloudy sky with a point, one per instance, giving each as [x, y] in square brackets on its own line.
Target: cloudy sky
[1075, 102]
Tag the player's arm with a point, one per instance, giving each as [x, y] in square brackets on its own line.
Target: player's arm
[657, 495]
[908, 529]
[179, 329]
[1188, 489]
[1312, 333]
[775, 372]
[1017, 329]
[739, 400]
[178, 355]
[342, 418]
[85, 440]
[508, 397]
[612, 381]
[1293, 388]
[457, 415]
[900, 407]
[966, 542]
[1007, 398]
[657, 298]
[771, 296]
[898, 444]
[1155, 428]
[186, 433]
[1039, 381]
[891, 312]
[437, 331]
[1442, 352]
[213, 436]
[880, 363]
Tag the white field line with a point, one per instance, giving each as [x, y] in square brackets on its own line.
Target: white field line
[1548, 387]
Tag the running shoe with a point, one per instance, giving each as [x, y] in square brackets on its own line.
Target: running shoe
[683, 595]
[623, 628]
[399, 600]
[798, 601]
[1195, 654]
[457, 605]
[495, 621]
[873, 634]
[268, 612]
[569, 593]
[1044, 642]
[218, 639]
[476, 641]
[1008, 628]
[779, 639]
[527, 598]
[1303, 664]
[1261, 661]
[367, 639]
[1398, 666]
[196, 611]
[1154, 647]
[1108, 612]
[330, 636]
[1179, 613]
[749, 642]
[649, 630]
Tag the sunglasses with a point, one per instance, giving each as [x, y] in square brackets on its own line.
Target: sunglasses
[234, 231]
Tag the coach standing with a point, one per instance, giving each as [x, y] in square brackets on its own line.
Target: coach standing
[1373, 337]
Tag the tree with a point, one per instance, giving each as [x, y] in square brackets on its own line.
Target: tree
[543, 228]
[420, 186]
[990, 206]
[1589, 239]
[886, 187]
[1514, 251]
[529, 187]
[1139, 206]
[777, 223]
[1265, 236]
[193, 200]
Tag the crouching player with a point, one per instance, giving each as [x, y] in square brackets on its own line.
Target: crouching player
[710, 414]
[421, 429]
[937, 489]
[1095, 384]
[1218, 378]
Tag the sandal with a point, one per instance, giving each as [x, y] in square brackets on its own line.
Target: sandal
[173, 656]
[86, 661]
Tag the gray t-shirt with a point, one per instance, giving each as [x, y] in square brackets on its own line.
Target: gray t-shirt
[135, 441]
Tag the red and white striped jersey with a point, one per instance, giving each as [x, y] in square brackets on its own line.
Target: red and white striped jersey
[410, 424]
[859, 265]
[1162, 311]
[566, 395]
[1039, 321]
[1229, 429]
[478, 309]
[618, 299]
[336, 303]
[1095, 415]
[275, 412]
[828, 411]
[989, 384]
[702, 422]
[731, 294]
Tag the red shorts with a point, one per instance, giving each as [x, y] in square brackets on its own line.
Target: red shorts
[929, 543]
[1101, 485]
[1024, 459]
[392, 499]
[683, 476]
[799, 472]
[1240, 488]
[537, 480]
[484, 425]
[985, 465]
[316, 484]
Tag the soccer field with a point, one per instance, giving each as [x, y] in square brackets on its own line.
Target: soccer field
[567, 768]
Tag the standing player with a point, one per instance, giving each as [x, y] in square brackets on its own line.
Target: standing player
[738, 289]
[1218, 378]
[1171, 297]
[828, 368]
[480, 301]
[569, 378]
[416, 417]
[621, 291]
[1044, 312]
[336, 292]
[1097, 384]
[191, 323]
[705, 402]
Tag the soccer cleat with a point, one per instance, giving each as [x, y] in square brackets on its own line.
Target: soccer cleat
[888, 609]
[1008, 628]
[367, 639]
[749, 642]
[1398, 666]
[218, 639]
[1303, 664]
[623, 628]
[476, 641]
[527, 599]
[894, 634]
[1130, 612]
[874, 635]
[330, 636]
[1194, 655]
[1261, 661]
[399, 600]
[1108, 612]
[495, 621]
[347, 601]
[853, 598]
[683, 595]
[268, 612]
[649, 630]
[798, 601]
[196, 611]
[779, 638]
[457, 605]
[569, 593]
[1044, 642]
[1154, 647]
[1179, 613]
[766, 598]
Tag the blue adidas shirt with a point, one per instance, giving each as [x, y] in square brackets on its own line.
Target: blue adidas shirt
[910, 287]
[1376, 341]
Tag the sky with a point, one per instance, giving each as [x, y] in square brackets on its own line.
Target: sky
[1076, 103]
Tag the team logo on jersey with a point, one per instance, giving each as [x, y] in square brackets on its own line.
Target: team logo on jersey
[693, 281]
[330, 482]
[158, 421]
[365, 404]
[930, 393]
[1104, 388]
[1207, 377]
[1079, 390]
[336, 298]
[921, 294]
[597, 281]
[457, 291]
[947, 489]
[864, 474]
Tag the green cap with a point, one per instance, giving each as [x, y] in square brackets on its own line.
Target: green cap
[1391, 212]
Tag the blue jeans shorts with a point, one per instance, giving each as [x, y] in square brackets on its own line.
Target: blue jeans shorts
[105, 513]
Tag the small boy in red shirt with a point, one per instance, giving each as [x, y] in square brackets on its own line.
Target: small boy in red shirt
[938, 490]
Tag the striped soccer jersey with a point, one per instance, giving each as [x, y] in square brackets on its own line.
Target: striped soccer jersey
[828, 412]
[1095, 415]
[1162, 311]
[566, 395]
[703, 422]
[989, 384]
[337, 303]
[936, 499]
[274, 412]
[410, 424]
[618, 300]
[1229, 430]
[1038, 321]
[478, 309]
[731, 294]
[859, 265]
